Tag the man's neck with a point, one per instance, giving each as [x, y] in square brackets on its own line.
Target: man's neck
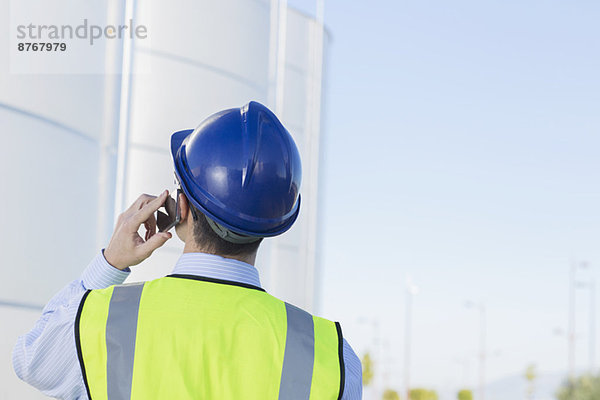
[247, 258]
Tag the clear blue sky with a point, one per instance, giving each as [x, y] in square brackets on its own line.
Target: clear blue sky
[462, 148]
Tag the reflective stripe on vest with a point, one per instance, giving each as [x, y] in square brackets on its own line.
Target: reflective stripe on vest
[201, 339]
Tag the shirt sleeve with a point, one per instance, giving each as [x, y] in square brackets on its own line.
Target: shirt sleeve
[46, 356]
[353, 373]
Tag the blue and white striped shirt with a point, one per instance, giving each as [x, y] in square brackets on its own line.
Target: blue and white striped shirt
[46, 356]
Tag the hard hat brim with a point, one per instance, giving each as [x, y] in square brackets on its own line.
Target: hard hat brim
[177, 139]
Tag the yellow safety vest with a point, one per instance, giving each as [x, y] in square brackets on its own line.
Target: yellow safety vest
[190, 337]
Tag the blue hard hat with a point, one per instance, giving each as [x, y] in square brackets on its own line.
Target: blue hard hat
[241, 168]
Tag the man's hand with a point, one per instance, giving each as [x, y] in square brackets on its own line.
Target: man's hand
[126, 247]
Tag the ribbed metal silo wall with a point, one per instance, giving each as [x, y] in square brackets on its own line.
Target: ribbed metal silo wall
[294, 258]
[57, 162]
[207, 56]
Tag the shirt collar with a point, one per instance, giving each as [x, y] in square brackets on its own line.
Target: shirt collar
[217, 267]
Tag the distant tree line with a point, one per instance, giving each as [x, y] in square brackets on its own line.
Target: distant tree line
[585, 387]
[424, 394]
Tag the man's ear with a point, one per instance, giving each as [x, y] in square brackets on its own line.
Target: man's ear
[184, 207]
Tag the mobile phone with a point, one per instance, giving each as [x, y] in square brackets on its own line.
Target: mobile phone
[166, 222]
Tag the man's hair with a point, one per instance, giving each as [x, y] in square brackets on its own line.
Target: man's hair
[212, 243]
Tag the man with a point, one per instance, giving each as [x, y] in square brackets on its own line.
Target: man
[207, 331]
